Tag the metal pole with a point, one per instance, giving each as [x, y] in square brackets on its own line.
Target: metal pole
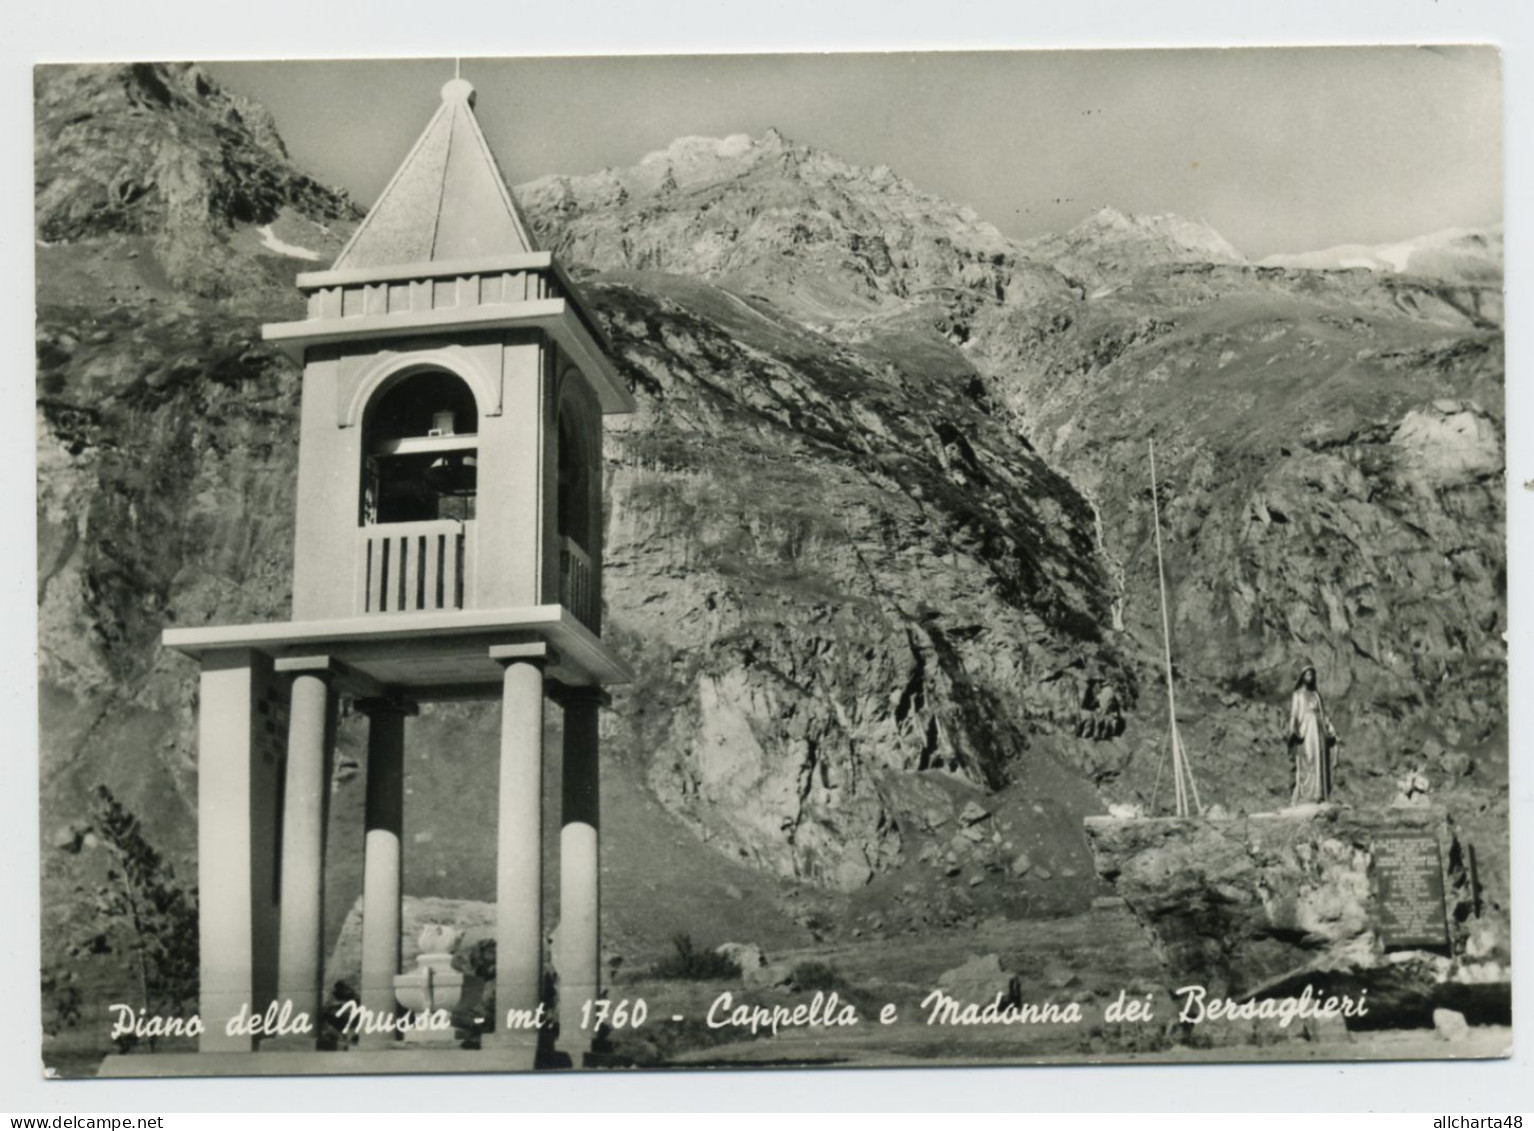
[1198, 803]
[1181, 792]
[1156, 785]
[1166, 640]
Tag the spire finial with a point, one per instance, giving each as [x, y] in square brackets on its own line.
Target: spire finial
[458, 88]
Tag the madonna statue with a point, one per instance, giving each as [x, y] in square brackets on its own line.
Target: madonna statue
[1312, 740]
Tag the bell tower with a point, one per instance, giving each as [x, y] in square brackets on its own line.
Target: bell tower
[454, 388]
[448, 546]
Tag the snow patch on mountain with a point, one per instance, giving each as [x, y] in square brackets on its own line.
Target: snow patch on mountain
[1467, 254]
[270, 239]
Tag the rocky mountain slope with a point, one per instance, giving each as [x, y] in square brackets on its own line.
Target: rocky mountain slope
[1331, 458]
[1365, 409]
[165, 154]
[767, 214]
[1111, 247]
[878, 537]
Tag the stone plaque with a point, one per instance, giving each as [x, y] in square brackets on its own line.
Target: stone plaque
[1408, 878]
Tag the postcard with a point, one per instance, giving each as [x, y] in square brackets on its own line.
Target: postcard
[772, 561]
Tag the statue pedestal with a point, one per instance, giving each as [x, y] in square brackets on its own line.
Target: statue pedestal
[434, 989]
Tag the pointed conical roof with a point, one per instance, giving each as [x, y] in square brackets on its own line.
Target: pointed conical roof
[448, 200]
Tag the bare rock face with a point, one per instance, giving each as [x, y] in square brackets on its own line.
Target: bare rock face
[163, 152]
[827, 240]
[831, 571]
[1270, 903]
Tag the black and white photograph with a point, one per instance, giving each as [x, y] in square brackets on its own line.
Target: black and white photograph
[805, 561]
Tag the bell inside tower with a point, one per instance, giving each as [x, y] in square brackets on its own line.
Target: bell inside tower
[421, 444]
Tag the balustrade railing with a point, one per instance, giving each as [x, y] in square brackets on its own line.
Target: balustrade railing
[577, 583]
[408, 567]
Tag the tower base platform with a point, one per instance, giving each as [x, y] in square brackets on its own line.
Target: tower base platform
[430, 655]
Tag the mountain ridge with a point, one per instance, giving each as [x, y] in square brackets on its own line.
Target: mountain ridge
[1463, 254]
[1110, 247]
[828, 240]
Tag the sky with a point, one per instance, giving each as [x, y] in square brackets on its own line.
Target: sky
[1279, 150]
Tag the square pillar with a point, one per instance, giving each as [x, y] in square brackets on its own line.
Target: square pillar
[519, 1006]
[383, 858]
[236, 825]
[580, 943]
[306, 795]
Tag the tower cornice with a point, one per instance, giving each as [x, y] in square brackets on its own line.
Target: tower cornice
[481, 265]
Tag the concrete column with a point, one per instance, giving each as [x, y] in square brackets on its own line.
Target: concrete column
[519, 847]
[224, 807]
[306, 788]
[580, 943]
[382, 856]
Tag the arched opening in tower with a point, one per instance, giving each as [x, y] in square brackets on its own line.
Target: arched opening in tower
[421, 442]
[575, 480]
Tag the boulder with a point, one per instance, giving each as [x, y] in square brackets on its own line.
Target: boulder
[767, 976]
[973, 813]
[1058, 976]
[1450, 1025]
[980, 980]
[748, 956]
[1328, 1030]
[1021, 863]
[1487, 939]
[1456, 764]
